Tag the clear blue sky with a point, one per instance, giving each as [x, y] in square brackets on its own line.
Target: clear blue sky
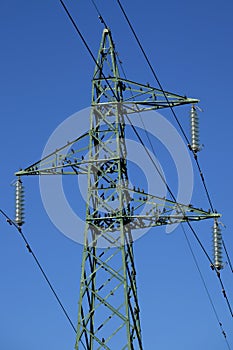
[45, 77]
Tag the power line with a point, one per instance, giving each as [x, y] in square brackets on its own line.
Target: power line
[99, 14]
[161, 175]
[188, 223]
[186, 138]
[203, 179]
[12, 223]
[87, 46]
[228, 257]
[167, 100]
[205, 286]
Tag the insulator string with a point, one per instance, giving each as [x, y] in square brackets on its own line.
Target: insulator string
[194, 120]
[217, 246]
[19, 202]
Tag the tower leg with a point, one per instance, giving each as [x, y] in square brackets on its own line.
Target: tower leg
[108, 305]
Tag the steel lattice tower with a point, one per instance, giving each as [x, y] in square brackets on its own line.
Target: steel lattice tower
[108, 312]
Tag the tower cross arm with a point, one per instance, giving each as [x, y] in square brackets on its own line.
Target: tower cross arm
[66, 160]
[145, 210]
[136, 97]
[110, 85]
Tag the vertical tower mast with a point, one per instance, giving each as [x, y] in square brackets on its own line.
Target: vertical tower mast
[108, 315]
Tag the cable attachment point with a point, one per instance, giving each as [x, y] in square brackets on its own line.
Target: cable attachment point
[217, 246]
[194, 119]
[19, 202]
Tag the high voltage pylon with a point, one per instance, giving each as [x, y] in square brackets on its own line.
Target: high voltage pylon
[108, 312]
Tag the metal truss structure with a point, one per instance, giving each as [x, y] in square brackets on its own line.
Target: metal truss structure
[108, 312]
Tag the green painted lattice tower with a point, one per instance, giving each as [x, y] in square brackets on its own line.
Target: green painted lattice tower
[108, 311]
[108, 315]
